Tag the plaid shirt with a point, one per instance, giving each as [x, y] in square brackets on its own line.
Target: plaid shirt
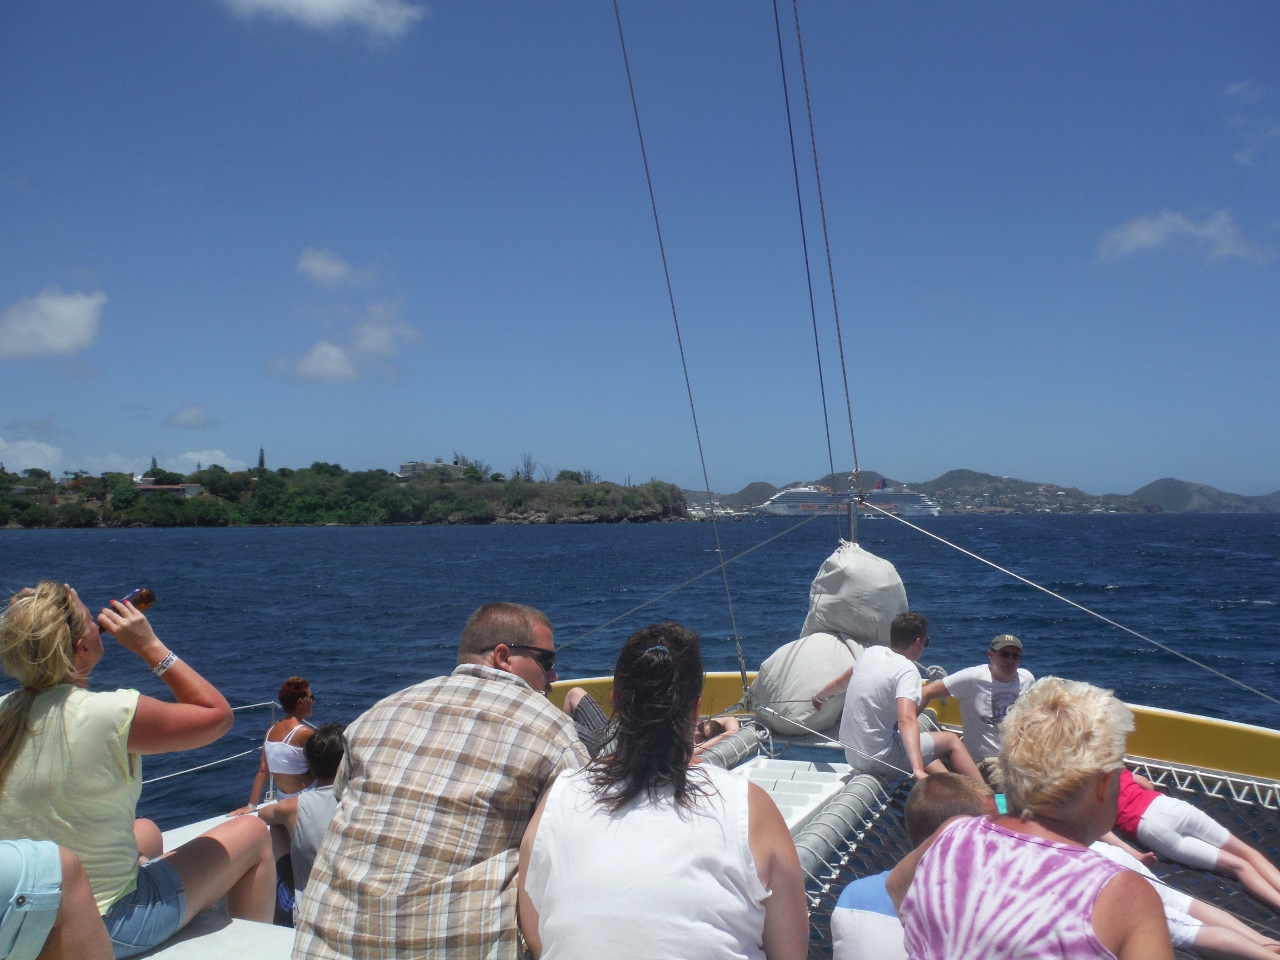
[439, 783]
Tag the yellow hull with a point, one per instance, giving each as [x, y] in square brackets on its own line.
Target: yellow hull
[720, 691]
[1177, 738]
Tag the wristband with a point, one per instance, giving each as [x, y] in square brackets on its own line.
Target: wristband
[160, 668]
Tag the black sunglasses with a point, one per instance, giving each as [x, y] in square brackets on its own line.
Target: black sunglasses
[546, 658]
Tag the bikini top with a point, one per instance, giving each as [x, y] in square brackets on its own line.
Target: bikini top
[284, 757]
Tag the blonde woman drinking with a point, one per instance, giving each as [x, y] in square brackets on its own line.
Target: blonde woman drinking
[71, 770]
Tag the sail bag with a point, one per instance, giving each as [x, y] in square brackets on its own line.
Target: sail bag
[852, 601]
[856, 594]
[793, 675]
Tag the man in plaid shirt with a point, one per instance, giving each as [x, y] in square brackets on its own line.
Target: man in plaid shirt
[438, 785]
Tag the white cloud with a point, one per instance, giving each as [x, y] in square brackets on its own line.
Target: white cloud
[1217, 236]
[24, 454]
[1256, 135]
[375, 339]
[384, 19]
[50, 322]
[327, 269]
[187, 462]
[381, 331]
[191, 417]
[1257, 128]
[1246, 90]
[326, 361]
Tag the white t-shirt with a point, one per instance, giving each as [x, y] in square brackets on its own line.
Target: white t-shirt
[983, 703]
[652, 880]
[870, 719]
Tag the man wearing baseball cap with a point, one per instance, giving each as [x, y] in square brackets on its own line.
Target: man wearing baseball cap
[986, 693]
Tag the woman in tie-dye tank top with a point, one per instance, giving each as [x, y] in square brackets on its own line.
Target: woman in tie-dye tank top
[1025, 885]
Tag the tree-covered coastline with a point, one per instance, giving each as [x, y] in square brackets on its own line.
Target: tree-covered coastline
[325, 493]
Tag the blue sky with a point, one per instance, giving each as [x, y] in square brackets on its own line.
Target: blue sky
[368, 231]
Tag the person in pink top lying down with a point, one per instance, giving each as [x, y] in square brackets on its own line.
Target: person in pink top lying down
[1176, 830]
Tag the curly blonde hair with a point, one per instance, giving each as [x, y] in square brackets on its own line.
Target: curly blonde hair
[1056, 738]
[38, 633]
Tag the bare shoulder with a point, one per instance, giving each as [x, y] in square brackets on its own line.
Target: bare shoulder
[1128, 919]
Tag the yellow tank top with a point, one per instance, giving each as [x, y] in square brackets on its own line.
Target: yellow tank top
[75, 782]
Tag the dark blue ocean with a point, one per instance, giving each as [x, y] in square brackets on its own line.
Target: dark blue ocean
[362, 612]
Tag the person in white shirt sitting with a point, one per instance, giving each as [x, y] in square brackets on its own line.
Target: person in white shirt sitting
[986, 692]
[878, 728]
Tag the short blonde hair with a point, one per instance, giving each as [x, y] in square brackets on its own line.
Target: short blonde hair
[1056, 738]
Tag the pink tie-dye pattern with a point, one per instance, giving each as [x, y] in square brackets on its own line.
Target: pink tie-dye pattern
[985, 893]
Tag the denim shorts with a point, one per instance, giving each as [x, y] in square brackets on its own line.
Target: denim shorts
[151, 914]
[30, 891]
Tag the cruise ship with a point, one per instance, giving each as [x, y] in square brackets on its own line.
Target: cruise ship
[901, 501]
[807, 499]
[802, 501]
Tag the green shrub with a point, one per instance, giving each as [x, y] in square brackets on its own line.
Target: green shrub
[204, 511]
[75, 515]
[36, 515]
[156, 510]
[123, 496]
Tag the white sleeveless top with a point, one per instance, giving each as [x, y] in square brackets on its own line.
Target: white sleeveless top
[647, 882]
[284, 757]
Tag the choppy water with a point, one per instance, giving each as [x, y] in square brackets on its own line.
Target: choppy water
[362, 612]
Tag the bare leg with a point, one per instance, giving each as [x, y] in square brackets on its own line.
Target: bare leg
[1266, 869]
[280, 842]
[1219, 943]
[234, 858]
[78, 931]
[951, 750]
[150, 840]
[1249, 877]
[572, 699]
[1213, 916]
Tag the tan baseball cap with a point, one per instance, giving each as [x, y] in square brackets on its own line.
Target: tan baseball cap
[1005, 640]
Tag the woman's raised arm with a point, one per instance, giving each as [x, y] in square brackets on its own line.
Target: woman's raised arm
[200, 716]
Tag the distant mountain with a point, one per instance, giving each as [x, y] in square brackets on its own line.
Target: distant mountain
[839, 482]
[1179, 496]
[749, 496]
[967, 491]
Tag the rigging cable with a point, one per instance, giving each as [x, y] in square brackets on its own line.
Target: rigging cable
[804, 242]
[826, 240]
[680, 586]
[1078, 606]
[671, 298]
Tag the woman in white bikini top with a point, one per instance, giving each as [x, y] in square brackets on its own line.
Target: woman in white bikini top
[282, 755]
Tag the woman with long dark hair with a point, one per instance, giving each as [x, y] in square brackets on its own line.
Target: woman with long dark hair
[641, 854]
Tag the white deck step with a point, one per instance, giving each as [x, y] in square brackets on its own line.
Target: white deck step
[799, 788]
